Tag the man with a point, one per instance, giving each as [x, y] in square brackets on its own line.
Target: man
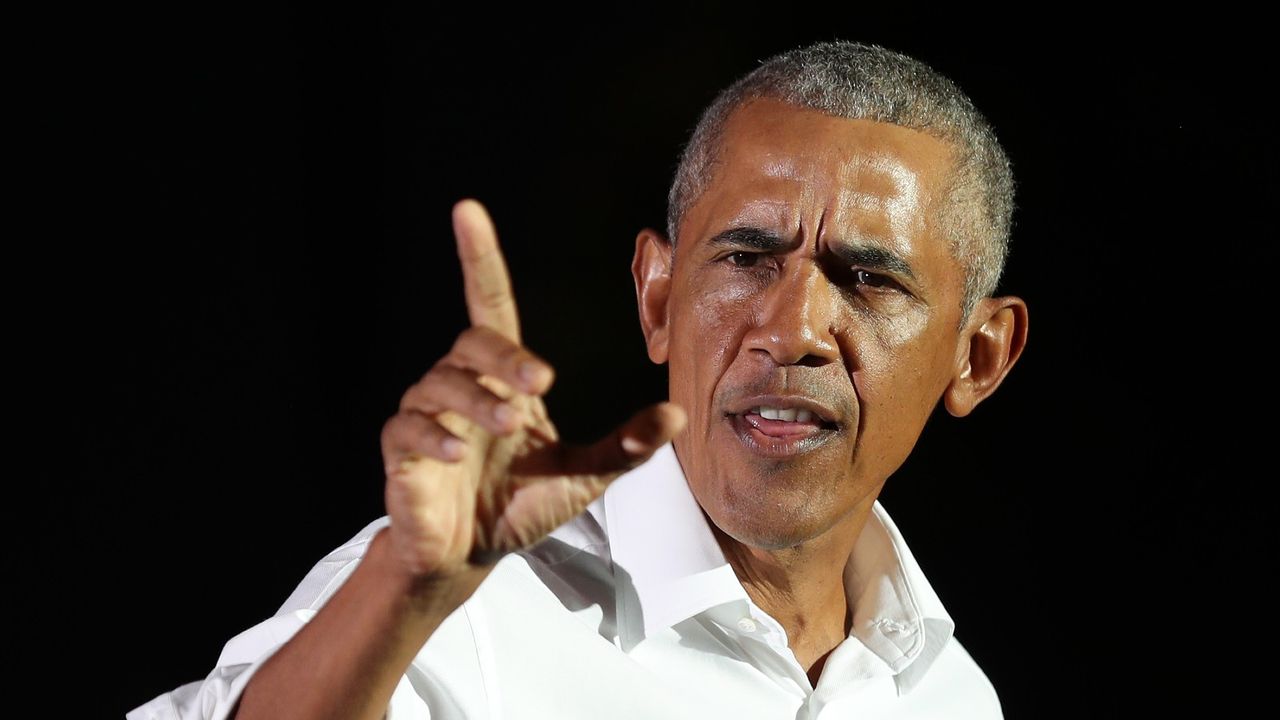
[835, 231]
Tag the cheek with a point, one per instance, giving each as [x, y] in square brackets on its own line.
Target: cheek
[897, 348]
[706, 332]
[904, 365]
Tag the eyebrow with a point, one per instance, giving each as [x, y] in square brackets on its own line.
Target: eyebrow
[871, 257]
[749, 237]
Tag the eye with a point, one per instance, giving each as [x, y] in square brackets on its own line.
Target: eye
[743, 259]
[866, 277]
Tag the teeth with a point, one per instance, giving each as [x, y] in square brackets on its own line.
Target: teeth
[787, 414]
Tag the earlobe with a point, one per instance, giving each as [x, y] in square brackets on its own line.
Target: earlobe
[651, 268]
[994, 340]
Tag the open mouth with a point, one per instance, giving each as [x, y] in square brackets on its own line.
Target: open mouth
[783, 422]
[780, 432]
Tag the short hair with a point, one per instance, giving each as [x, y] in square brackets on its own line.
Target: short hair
[859, 81]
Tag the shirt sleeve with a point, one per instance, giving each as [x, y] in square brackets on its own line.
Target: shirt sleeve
[214, 697]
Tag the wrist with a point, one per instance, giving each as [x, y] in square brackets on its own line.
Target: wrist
[434, 594]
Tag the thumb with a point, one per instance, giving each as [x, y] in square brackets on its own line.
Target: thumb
[630, 444]
[538, 507]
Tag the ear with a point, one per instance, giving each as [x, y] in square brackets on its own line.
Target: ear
[992, 342]
[651, 268]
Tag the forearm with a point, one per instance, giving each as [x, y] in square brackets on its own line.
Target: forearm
[346, 662]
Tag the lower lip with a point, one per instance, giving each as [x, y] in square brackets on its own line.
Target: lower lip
[787, 440]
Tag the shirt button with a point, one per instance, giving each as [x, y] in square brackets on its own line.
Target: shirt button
[747, 625]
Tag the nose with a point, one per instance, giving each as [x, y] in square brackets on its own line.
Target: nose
[796, 323]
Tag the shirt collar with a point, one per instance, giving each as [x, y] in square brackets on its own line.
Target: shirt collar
[897, 613]
[662, 546]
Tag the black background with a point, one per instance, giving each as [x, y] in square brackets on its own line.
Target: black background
[249, 257]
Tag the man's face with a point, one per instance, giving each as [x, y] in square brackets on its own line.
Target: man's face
[810, 276]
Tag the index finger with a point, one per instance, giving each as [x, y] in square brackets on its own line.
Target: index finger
[490, 301]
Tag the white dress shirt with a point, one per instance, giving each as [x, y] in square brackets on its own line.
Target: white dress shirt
[631, 611]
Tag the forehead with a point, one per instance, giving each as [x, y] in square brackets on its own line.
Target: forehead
[866, 182]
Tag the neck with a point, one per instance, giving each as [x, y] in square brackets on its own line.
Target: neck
[802, 586]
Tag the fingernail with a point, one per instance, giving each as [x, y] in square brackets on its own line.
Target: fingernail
[452, 447]
[530, 373]
[633, 446]
[504, 414]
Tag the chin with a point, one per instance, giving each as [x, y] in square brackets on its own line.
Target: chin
[772, 503]
[773, 521]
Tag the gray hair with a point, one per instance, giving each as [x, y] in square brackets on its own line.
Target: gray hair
[857, 81]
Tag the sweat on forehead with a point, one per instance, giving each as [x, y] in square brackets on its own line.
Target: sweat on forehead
[862, 192]
[852, 80]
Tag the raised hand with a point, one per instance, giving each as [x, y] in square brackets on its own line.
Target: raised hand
[475, 468]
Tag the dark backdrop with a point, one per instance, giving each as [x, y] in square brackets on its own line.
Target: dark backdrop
[251, 259]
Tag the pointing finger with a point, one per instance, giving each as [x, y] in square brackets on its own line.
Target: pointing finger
[630, 444]
[490, 301]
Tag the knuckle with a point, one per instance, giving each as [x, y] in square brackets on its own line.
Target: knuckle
[470, 346]
[463, 347]
[468, 335]
[479, 335]
[390, 426]
[409, 395]
[491, 295]
[396, 434]
[437, 383]
[511, 354]
[441, 362]
[427, 384]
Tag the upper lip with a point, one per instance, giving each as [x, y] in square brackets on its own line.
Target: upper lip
[800, 402]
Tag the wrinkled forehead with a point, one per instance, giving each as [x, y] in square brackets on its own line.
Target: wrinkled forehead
[782, 167]
[865, 163]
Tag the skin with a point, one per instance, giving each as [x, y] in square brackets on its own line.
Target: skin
[475, 468]
[879, 345]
